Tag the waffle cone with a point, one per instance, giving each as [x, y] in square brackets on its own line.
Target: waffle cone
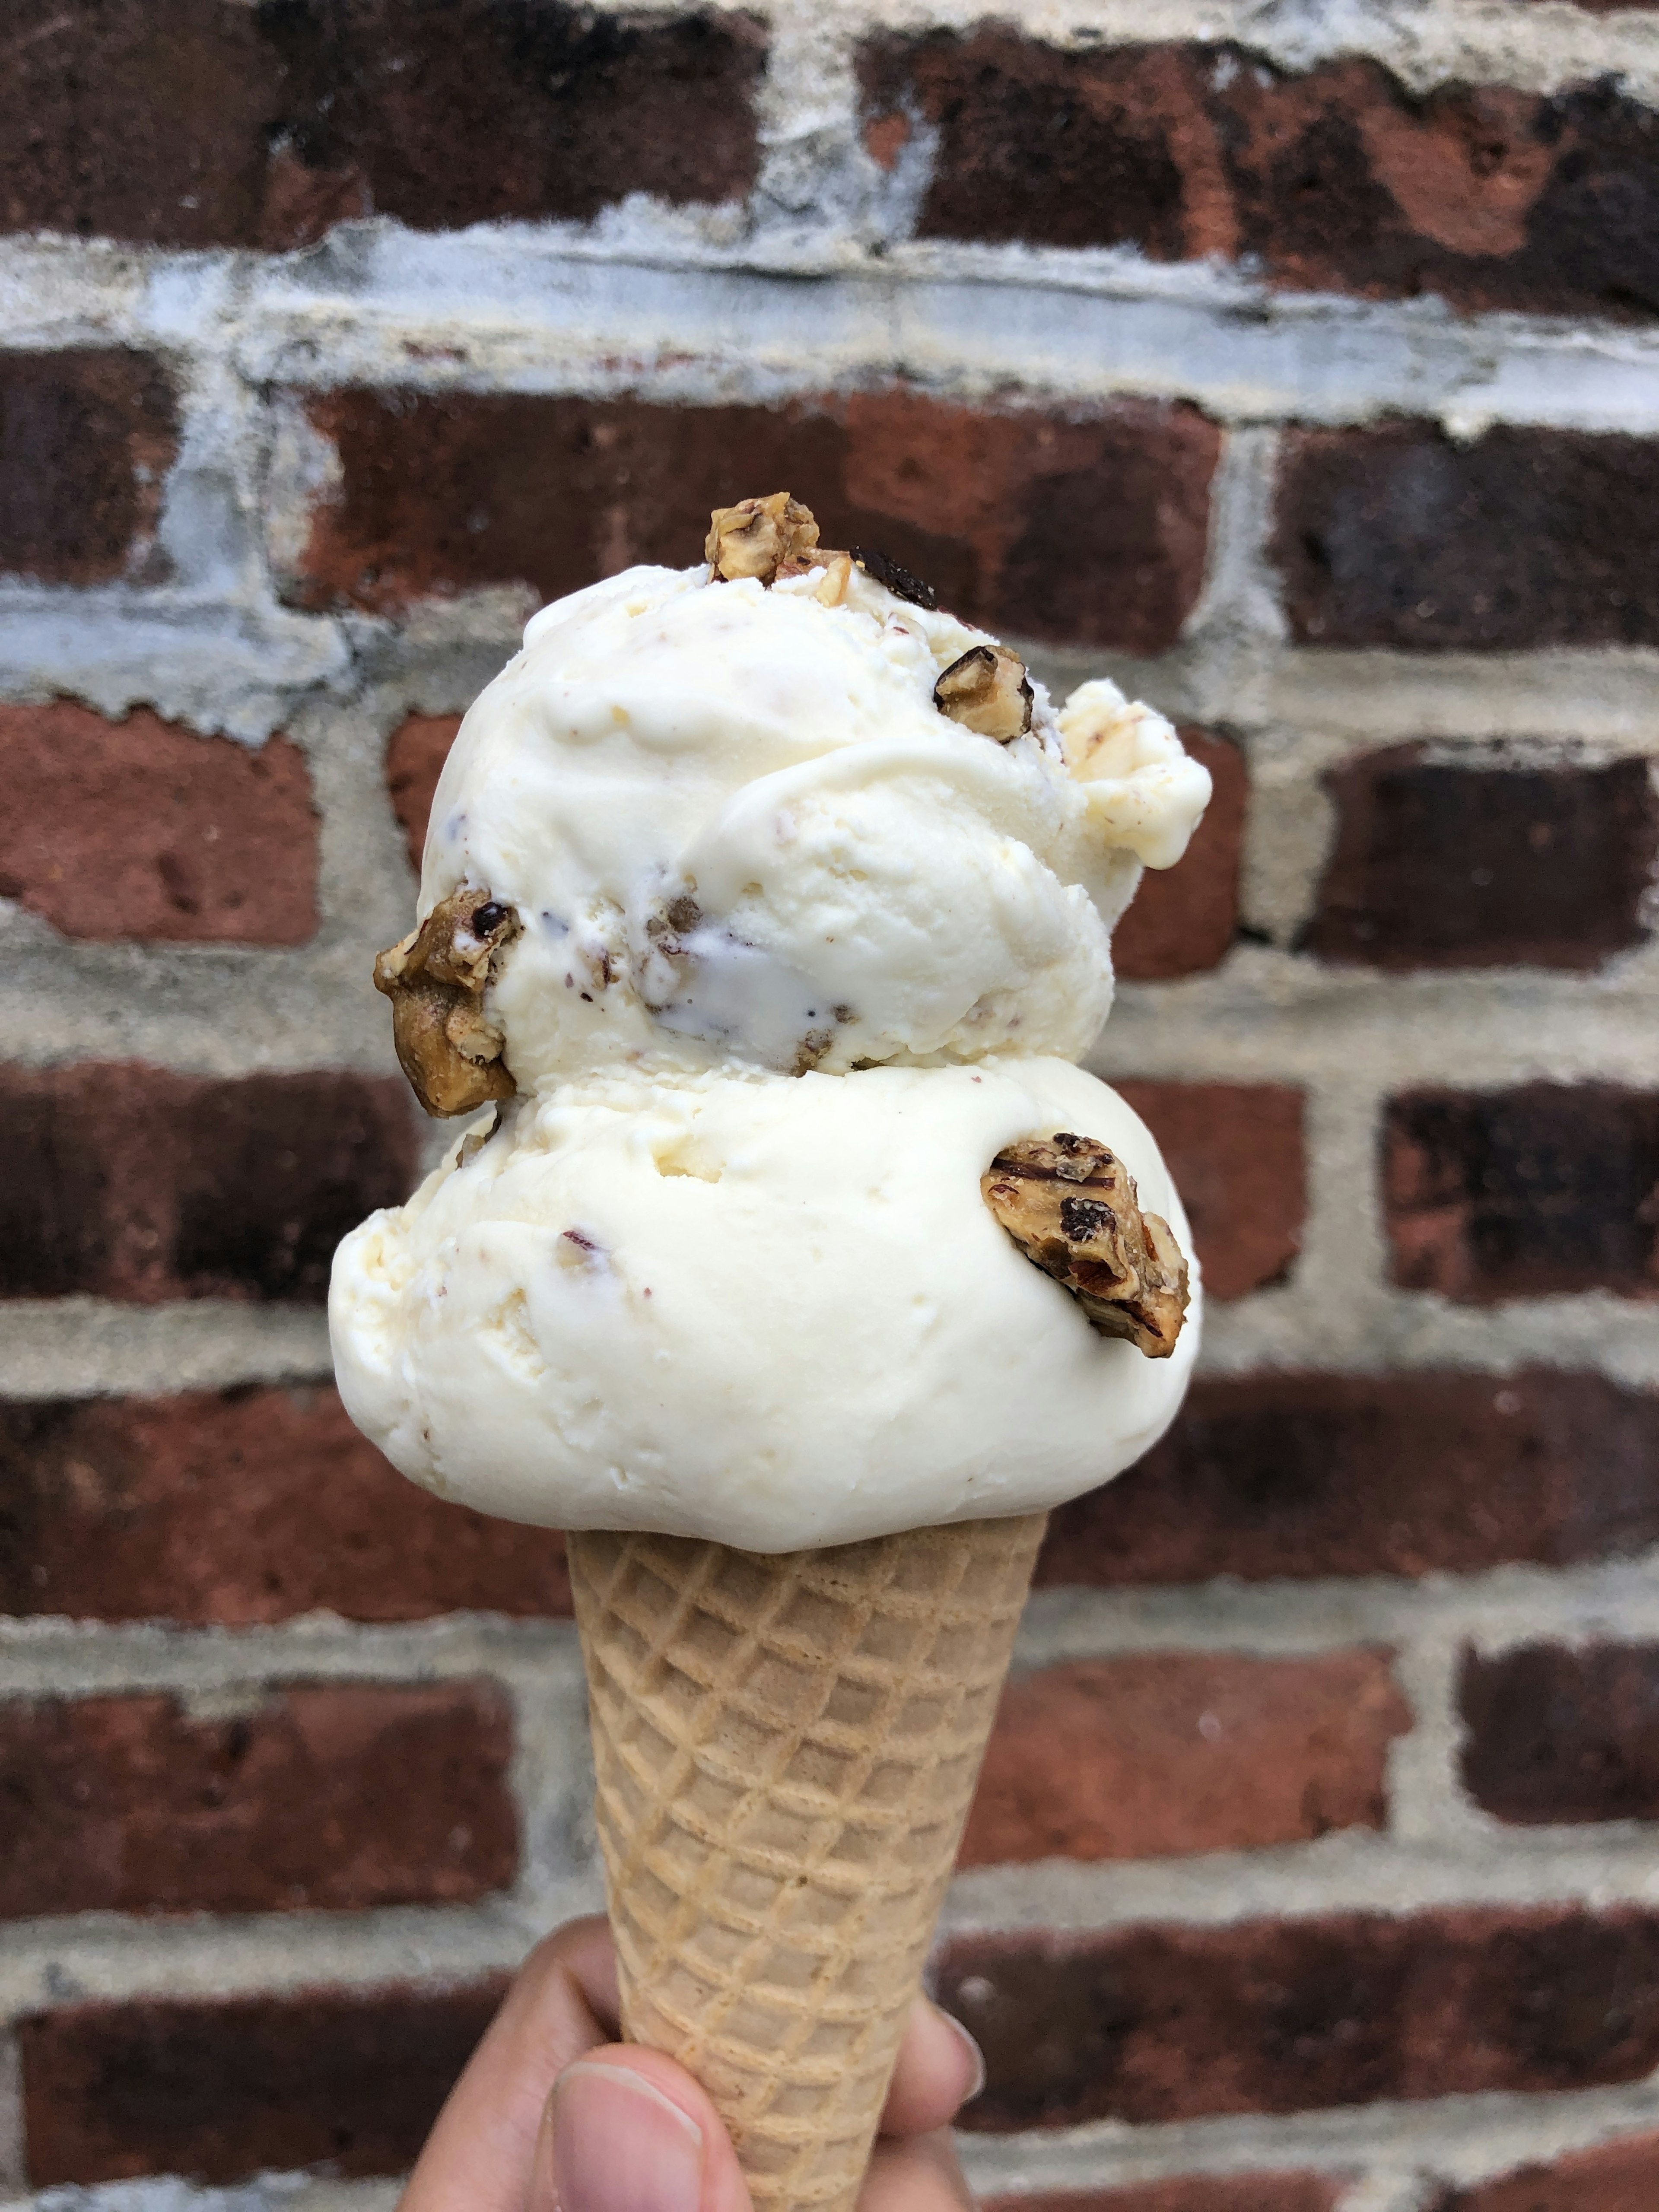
[785, 1750]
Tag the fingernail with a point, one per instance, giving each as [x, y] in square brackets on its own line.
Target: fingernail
[974, 2052]
[619, 2145]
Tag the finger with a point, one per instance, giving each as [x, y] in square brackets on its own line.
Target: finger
[920, 2175]
[940, 2069]
[480, 2155]
[627, 2131]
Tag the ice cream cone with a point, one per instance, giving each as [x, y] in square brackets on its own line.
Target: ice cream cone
[786, 1747]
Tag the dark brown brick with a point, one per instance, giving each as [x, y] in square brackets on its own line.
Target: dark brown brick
[1236, 1151]
[1529, 1193]
[1526, 537]
[1184, 919]
[87, 437]
[1184, 1751]
[210, 123]
[1554, 1734]
[336, 1794]
[1083, 526]
[1469, 864]
[139, 829]
[129, 1181]
[1339, 179]
[1192, 2192]
[1616, 2177]
[415, 756]
[1297, 1476]
[220, 2090]
[249, 1506]
[1149, 2024]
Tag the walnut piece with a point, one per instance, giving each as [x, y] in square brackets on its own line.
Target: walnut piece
[988, 692]
[1070, 1205]
[898, 580]
[436, 980]
[764, 538]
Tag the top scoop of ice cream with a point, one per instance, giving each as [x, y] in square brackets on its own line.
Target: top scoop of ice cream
[733, 824]
[770, 906]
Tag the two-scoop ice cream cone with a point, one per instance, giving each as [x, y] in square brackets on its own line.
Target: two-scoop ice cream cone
[797, 1269]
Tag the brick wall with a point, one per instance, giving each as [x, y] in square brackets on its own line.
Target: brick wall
[1308, 382]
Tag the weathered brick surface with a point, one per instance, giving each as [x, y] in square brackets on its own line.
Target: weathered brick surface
[1524, 538]
[219, 124]
[1555, 1734]
[130, 1182]
[1295, 1475]
[1078, 526]
[1184, 1751]
[1183, 919]
[1156, 2023]
[1236, 1150]
[252, 1505]
[339, 1795]
[1475, 866]
[220, 2090]
[1338, 178]
[1186, 2193]
[415, 756]
[1617, 2176]
[140, 829]
[86, 436]
[1524, 1193]
[1192, 2193]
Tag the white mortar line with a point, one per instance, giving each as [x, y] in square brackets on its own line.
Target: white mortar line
[1461, 2139]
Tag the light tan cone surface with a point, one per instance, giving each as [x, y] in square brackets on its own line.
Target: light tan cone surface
[785, 1750]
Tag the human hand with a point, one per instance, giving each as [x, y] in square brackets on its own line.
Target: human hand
[553, 2114]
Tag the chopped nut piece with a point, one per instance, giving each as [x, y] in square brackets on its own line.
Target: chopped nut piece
[898, 580]
[436, 980]
[763, 538]
[988, 692]
[1070, 1205]
[475, 1140]
[837, 574]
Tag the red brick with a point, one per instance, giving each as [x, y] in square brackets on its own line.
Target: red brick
[223, 2089]
[1236, 1152]
[1470, 865]
[1525, 537]
[1524, 1193]
[1154, 2023]
[208, 123]
[1339, 179]
[132, 1183]
[140, 829]
[1554, 1734]
[1184, 1751]
[1183, 919]
[86, 436]
[1082, 525]
[1617, 2176]
[249, 1506]
[1192, 2193]
[1295, 1475]
[415, 756]
[338, 1794]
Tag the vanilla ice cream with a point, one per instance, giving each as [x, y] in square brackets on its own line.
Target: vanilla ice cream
[767, 950]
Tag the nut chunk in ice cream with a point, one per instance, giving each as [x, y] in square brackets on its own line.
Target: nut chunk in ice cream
[1072, 1207]
[769, 903]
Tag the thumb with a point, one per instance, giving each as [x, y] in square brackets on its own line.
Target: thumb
[626, 2130]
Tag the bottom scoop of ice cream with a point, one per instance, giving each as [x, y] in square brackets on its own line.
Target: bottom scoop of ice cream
[774, 1311]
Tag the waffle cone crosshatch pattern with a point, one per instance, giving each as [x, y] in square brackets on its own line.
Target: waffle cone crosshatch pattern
[784, 1749]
